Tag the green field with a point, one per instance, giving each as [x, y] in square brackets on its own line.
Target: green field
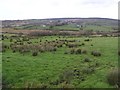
[60, 68]
[67, 27]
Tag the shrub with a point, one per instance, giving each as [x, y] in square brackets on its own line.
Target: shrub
[2, 38]
[87, 60]
[72, 45]
[11, 40]
[54, 49]
[14, 51]
[21, 43]
[24, 50]
[113, 77]
[29, 85]
[78, 51]
[72, 51]
[18, 40]
[66, 76]
[119, 52]
[88, 70]
[25, 39]
[97, 64]
[59, 46]
[82, 44]
[66, 52]
[54, 82]
[87, 40]
[76, 72]
[91, 44]
[35, 53]
[42, 49]
[4, 46]
[84, 51]
[65, 86]
[95, 53]
[1, 49]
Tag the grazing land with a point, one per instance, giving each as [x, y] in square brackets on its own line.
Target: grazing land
[62, 59]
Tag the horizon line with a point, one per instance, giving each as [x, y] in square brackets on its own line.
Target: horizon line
[59, 18]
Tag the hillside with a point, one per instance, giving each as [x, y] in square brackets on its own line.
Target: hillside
[93, 24]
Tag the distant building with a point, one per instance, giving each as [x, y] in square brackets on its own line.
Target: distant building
[43, 25]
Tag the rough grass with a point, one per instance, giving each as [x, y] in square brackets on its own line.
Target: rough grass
[19, 69]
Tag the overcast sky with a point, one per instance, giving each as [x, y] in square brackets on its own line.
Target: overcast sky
[39, 9]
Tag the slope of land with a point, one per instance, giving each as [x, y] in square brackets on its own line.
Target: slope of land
[92, 24]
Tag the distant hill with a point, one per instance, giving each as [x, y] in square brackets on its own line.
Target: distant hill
[98, 24]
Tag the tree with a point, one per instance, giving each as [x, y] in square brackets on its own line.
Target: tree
[81, 27]
[51, 27]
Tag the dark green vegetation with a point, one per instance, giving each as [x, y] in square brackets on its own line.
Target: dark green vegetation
[59, 61]
[113, 77]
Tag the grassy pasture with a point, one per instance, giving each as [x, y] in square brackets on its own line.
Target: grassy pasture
[56, 69]
[68, 27]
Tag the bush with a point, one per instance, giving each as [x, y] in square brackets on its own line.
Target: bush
[55, 82]
[28, 43]
[72, 51]
[65, 86]
[113, 77]
[87, 40]
[35, 53]
[59, 46]
[14, 51]
[84, 51]
[72, 45]
[54, 49]
[95, 53]
[76, 72]
[91, 44]
[30, 85]
[88, 70]
[78, 51]
[4, 46]
[3, 50]
[83, 44]
[66, 52]
[97, 64]
[11, 40]
[66, 76]
[87, 60]
[25, 39]
[2, 38]
[119, 52]
[24, 50]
